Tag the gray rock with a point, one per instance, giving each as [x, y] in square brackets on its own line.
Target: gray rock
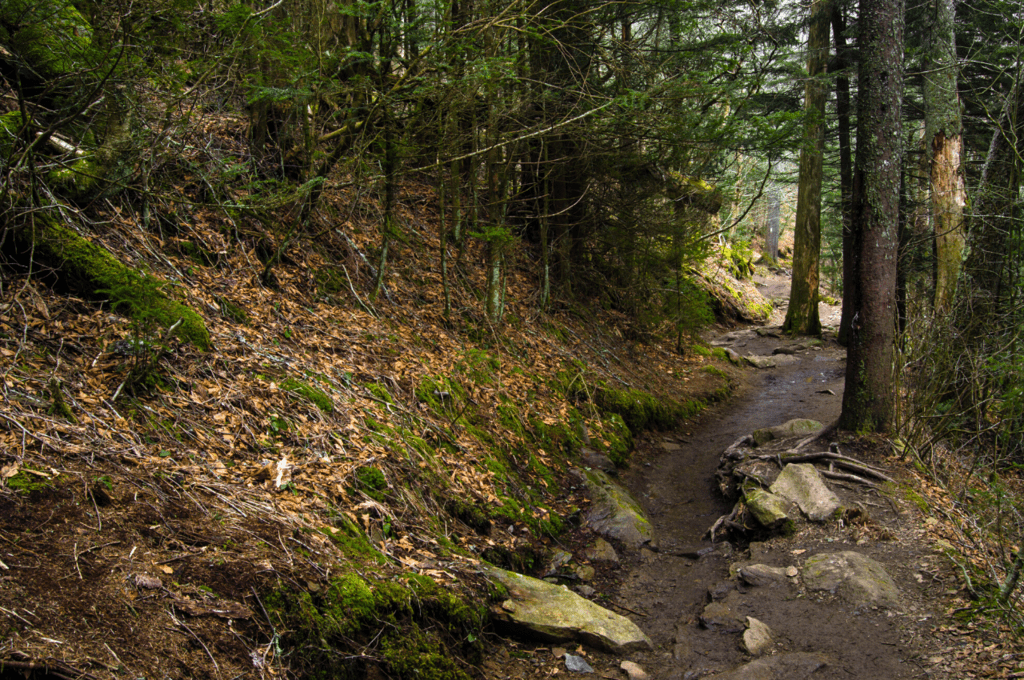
[585, 572]
[856, 578]
[722, 616]
[797, 427]
[597, 460]
[614, 513]
[558, 614]
[802, 484]
[794, 666]
[770, 510]
[602, 551]
[761, 362]
[757, 638]
[762, 575]
[577, 664]
[557, 560]
[633, 671]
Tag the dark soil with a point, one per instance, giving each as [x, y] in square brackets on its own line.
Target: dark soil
[664, 589]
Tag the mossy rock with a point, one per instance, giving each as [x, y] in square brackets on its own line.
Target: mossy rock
[90, 268]
[78, 180]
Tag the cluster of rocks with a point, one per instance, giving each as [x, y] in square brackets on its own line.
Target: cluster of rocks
[541, 608]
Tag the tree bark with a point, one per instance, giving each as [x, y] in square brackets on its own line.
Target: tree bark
[868, 397]
[845, 173]
[802, 314]
[943, 127]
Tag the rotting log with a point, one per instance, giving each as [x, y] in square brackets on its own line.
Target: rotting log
[89, 268]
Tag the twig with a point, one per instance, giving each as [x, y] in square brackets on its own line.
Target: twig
[75, 550]
[199, 640]
[624, 608]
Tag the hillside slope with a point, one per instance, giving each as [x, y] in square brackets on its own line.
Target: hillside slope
[295, 496]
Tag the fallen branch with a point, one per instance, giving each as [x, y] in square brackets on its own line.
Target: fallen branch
[839, 460]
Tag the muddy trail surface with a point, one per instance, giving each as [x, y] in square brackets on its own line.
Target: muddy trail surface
[666, 589]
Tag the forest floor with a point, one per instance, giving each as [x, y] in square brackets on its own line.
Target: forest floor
[665, 589]
[144, 535]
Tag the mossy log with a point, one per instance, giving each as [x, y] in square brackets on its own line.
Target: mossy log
[89, 268]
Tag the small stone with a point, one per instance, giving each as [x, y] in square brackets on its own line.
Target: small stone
[762, 574]
[577, 664]
[601, 551]
[792, 571]
[633, 671]
[757, 638]
[558, 652]
[585, 590]
[585, 572]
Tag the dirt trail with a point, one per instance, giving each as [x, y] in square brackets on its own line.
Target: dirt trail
[665, 592]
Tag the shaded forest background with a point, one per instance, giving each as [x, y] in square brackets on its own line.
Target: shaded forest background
[572, 157]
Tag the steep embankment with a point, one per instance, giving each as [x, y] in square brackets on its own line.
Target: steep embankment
[316, 490]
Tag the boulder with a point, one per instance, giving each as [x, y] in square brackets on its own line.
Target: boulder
[856, 578]
[557, 614]
[614, 513]
[802, 484]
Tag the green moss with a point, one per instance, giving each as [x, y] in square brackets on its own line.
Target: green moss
[381, 392]
[60, 407]
[319, 398]
[701, 350]
[720, 353]
[91, 268]
[51, 36]
[716, 371]
[371, 481]
[440, 394]
[229, 310]
[419, 629]
[642, 411]
[25, 482]
[78, 180]
[12, 131]
[615, 439]
[917, 499]
[351, 540]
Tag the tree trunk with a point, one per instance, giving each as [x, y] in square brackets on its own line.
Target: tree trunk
[771, 238]
[802, 315]
[943, 127]
[868, 396]
[845, 174]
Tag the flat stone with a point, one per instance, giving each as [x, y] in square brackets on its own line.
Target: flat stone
[601, 551]
[797, 427]
[761, 362]
[802, 484]
[633, 671]
[757, 638]
[669, 446]
[856, 578]
[762, 575]
[614, 513]
[557, 560]
[793, 666]
[721, 616]
[557, 614]
[577, 664]
[597, 460]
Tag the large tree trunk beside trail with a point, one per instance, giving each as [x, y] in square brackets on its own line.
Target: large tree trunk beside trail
[868, 397]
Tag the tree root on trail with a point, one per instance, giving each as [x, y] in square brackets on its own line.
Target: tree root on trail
[836, 459]
[727, 521]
